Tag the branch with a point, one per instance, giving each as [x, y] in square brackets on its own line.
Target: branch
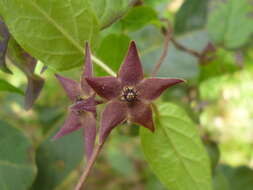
[164, 52]
[89, 166]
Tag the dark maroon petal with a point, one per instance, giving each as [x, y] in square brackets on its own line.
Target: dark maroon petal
[71, 124]
[89, 124]
[88, 105]
[87, 71]
[152, 88]
[71, 87]
[106, 87]
[114, 114]
[141, 113]
[131, 71]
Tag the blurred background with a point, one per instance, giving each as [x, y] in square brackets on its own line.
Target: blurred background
[218, 97]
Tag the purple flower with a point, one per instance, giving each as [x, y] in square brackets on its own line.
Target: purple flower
[82, 114]
[129, 94]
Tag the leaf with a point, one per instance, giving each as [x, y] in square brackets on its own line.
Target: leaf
[109, 11]
[138, 17]
[213, 152]
[4, 39]
[192, 15]
[57, 159]
[230, 24]
[27, 64]
[220, 181]
[5, 86]
[50, 30]
[112, 51]
[175, 152]
[17, 168]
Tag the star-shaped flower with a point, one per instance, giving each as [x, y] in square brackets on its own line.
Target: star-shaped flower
[82, 114]
[129, 94]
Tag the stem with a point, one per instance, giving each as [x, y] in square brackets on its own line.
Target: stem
[183, 48]
[164, 53]
[89, 166]
[103, 65]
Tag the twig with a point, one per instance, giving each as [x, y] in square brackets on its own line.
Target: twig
[164, 53]
[88, 168]
[183, 48]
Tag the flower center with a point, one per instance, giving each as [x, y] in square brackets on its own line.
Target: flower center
[129, 94]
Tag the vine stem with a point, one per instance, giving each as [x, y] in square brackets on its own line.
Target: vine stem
[103, 65]
[89, 166]
[164, 52]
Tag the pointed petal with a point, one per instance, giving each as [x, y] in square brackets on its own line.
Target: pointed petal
[89, 124]
[106, 87]
[71, 124]
[141, 113]
[87, 71]
[71, 87]
[114, 114]
[131, 71]
[88, 105]
[152, 88]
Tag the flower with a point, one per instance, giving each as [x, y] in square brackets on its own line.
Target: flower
[129, 94]
[82, 114]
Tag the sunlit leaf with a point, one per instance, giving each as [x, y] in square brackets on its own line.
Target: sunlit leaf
[5, 86]
[175, 152]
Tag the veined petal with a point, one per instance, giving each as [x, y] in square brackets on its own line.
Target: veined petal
[152, 88]
[88, 105]
[87, 71]
[71, 124]
[106, 87]
[71, 87]
[114, 114]
[131, 71]
[141, 113]
[88, 121]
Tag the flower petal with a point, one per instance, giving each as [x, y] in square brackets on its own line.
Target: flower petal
[71, 124]
[106, 87]
[88, 105]
[152, 88]
[115, 113]
[87, 71]
[71, 87]
[131, 71]
[88, 121]
[141, 113]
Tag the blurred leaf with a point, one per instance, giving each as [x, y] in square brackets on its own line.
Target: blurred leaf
[17, 168]
[223, 63]
[109, 11]
[230, 23]
[213, 152]
[220, 181]
[192, 15]
[36, 25]
[27, 64]
[239, 177]
[57, 159]
[112, 51]
[138, 17]
[4, 39]
[175, 152]
[155, 2]
[5, 86]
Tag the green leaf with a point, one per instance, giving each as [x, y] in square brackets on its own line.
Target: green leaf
[52, 31]
[109, 11]
[5, 86]
[192, 15]
[220, 181]
[138, 17]
[230, 23]
[213, 152]
[57, 159]
[112, 51]
[175, 152]
[17, 168]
